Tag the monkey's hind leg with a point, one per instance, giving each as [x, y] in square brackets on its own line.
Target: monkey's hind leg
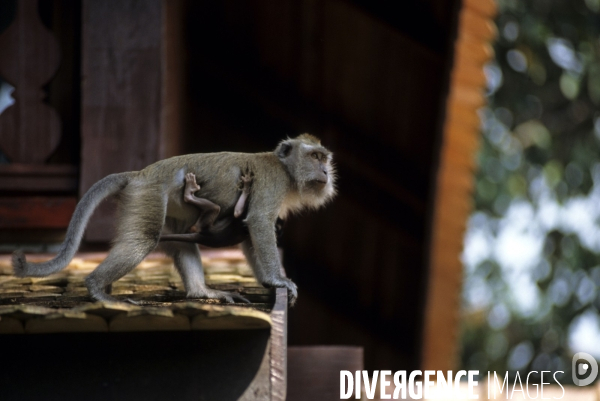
[142, 217]
[120, 261]
[209, 210]
[186, 259]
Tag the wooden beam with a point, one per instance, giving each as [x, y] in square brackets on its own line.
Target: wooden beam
[38, 177]
[36, 212]
[125, 112]
[454, 184]
[279, 346]
[173, 85]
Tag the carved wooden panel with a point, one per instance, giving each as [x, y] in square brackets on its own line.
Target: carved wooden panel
[29, 57]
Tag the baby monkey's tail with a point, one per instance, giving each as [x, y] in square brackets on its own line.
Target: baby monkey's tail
[92, 198]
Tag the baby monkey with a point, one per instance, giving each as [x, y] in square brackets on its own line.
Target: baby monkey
[209, 211]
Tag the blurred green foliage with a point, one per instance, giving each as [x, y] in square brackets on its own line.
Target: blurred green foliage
[540, 149]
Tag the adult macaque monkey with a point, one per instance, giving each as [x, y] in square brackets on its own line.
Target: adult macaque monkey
[297, 175]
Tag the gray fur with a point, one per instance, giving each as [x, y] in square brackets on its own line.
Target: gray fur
[297, 175]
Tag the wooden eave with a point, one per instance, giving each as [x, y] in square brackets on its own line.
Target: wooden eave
[454, 183]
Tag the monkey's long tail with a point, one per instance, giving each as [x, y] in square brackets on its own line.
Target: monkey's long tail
[92, 198]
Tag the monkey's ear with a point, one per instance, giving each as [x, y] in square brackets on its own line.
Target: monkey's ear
[284, 149]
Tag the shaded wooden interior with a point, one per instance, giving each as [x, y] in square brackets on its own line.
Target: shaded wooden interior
[372, 87]
[454, 183]
[180, 76]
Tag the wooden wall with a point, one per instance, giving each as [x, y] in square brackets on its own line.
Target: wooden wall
[39, 132]
[372, 86]
[131, 92]
[121, 94]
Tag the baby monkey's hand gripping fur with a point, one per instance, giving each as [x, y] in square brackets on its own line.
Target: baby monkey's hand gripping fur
[297, 175]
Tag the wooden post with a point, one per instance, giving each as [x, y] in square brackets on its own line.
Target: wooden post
[124, 91]
[454, 183]
[279, 346]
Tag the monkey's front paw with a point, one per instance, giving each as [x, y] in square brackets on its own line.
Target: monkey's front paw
[285, 283]
[292, 292]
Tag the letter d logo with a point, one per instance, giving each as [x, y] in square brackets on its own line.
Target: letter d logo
[583, 368]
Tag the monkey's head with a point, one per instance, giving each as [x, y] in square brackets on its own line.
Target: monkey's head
[311, 168]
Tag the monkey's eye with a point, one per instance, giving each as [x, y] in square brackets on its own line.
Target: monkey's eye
[314, 155]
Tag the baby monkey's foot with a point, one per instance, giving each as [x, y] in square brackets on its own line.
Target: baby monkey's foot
[244, 184]
[191, 186]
